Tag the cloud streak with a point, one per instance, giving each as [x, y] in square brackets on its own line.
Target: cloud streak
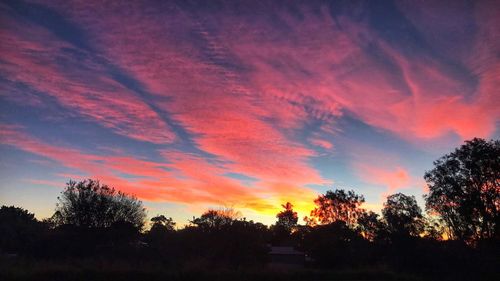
[181, 178]
[252, 89]
[74, 79]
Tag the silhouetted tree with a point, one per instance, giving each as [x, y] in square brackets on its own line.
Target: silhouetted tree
[402, 215]
[333, 244]
[92, 205]
[287, 219]
[369, 225]
[337, 205]
[464, 189]
[216, 219]
[19, 229]
[299, 235]
[162, 223]
[162, 240]
[245, 242]
[433, 229]
[222, 238]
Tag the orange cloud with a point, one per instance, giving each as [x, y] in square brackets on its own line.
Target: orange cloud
[246, 92]
[183, 178]
[243, 95]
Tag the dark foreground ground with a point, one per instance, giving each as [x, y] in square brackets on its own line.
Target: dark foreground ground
[56, 272]
[22, 269]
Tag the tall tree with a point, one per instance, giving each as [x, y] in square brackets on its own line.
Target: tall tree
[287, 219]
[402, 215]
[337, 205]
[464, 189]
[92, 205]
[287, 222]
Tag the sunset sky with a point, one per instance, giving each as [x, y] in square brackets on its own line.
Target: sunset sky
[244, 104]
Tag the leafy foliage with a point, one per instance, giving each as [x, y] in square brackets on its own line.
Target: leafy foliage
[92, 205]
[464, 190]
[162, 223]
[287, 219]
[216, 219]
[286, 223]
[337, 205]
[370, 226]
[402, 215]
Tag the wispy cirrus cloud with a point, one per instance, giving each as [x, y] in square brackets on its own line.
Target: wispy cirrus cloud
[327, 63]
[182, 177]
[403, 89]
[205, 93]
[76, 79]
[250, 88]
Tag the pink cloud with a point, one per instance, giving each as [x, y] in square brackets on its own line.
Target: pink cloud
[394, 179]
[381, 168]
[348, 67]
[439, 105]
[51, 183]
[32, 56]
[324, 64]
[321, 143]
[209, 101]
[183, 178]
[246, 93]
[243, 95]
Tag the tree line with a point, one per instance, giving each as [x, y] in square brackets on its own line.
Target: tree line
[457, 236]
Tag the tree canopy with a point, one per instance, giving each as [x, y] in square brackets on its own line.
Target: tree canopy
[216, 219]
[288, 218]
[90, 204]
[402, 215]
[337, 205]
[18, 229]
[464, 190]
[162, 223]
[369, 225]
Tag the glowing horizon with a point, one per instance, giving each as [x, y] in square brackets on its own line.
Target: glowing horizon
[191, 105]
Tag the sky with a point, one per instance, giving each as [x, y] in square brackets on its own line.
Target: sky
[190, 105]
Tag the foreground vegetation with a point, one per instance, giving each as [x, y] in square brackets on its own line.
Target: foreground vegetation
[97, 233]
